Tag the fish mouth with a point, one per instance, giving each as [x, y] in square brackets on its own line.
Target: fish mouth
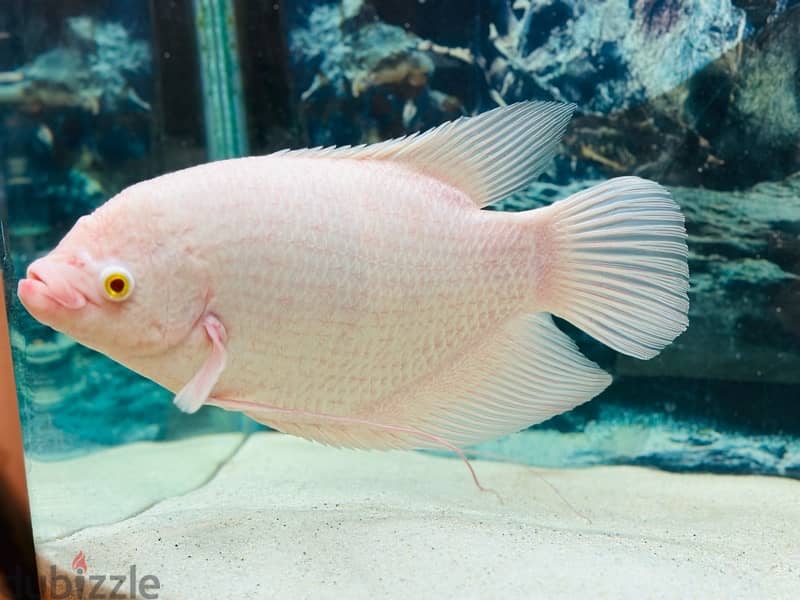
[45, 287]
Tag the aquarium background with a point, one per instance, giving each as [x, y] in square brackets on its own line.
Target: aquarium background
[700, 95]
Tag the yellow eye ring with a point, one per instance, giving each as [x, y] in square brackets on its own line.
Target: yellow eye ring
[117, 283]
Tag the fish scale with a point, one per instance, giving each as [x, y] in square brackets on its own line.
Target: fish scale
[357, 365]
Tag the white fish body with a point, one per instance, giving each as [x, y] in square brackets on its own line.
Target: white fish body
[359, 297]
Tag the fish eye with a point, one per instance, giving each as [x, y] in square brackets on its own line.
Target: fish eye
[117, 283]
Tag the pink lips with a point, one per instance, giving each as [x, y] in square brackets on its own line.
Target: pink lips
[47, 284]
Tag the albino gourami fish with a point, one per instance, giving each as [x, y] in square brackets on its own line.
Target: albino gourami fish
[360, 297]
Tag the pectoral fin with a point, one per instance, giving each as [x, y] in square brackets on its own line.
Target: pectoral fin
[195, 393]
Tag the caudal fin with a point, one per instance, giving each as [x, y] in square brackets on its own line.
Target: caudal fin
[613, 261]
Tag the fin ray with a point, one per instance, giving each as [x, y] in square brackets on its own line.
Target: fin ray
[620, 270]
[536, 372]
[529, 372]
[488, 156]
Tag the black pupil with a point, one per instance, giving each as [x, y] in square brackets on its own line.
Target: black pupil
[117, 285]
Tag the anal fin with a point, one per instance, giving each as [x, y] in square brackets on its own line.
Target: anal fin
[528, 372]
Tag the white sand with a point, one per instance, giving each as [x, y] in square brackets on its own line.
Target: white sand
[110, 485]
[288, 519]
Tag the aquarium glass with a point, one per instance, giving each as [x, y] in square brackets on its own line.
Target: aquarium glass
[701, 96]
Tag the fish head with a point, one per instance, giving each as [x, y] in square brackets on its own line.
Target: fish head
[117, 284]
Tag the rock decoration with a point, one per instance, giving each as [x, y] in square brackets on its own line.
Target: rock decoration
[730, 125]
[665, 89]
[92, 71]
[360, 79]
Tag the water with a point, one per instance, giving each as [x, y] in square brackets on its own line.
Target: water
[700, 96]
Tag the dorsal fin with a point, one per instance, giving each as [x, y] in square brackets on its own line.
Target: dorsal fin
[488, 156]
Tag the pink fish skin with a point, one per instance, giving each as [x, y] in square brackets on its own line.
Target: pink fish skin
[360, 297]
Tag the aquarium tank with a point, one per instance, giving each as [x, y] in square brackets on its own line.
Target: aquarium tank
[702, 96]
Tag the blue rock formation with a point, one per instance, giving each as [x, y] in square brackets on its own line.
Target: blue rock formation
[622, 436]
[664, 89]
[730, 125]
[360, 79]
[611, 54]
[94, 71]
